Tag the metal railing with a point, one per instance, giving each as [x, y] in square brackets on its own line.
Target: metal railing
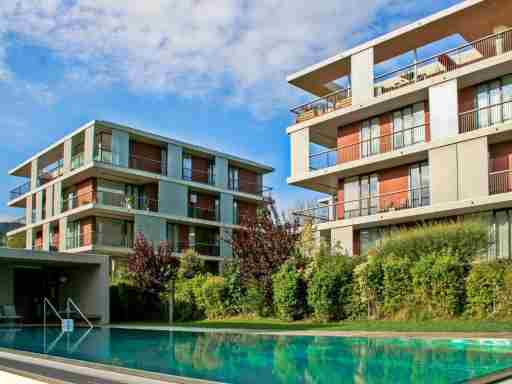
[328, 103]
[469, 53]
[205, 249]
[500, 181]
[78, 201]
[50, 173]
[148, 165]
[98, 238]
[199, 175]
[20, 190]
[248, 187]
[485, 116]
[203, 213]
[367, 148]
[77, 160]
[371, 205]
[111, 199]
[22, 220]
[107, 156]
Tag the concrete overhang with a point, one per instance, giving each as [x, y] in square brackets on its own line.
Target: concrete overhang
[42, 257]
[471, 19]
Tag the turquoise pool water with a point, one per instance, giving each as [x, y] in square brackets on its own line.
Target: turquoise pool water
[242, 358]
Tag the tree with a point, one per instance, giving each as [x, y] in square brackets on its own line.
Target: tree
[261, 247]
[154, 271]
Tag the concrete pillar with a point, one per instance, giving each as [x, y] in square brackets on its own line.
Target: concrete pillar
[63, 232]
[120, 148]
[39, 206]
[361, 77]
[343, 237]
[473, 165]
[173, 198]
[49, 201]
[226, 250]
[174, 161]
[34, 173]
[221, 172]
[57, 198]
[226, 208]
[46, 236]
[28, 210]
[29, 238]
[68, 147]
[89, 145]
[299, 142]
[443, 108]
[443, 173]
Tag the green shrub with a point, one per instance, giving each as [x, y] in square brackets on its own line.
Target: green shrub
[254, 303]
[438, 282]
[186, 305]
[504, 308]
[397, 286]
[191, 265]
[211, 297]
[330, 288]
[234, 289]
[467, 239]
[483, 287]
[360, 303]
[129, 303]
[289, 288]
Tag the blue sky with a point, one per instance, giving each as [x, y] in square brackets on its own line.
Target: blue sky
[208, 72]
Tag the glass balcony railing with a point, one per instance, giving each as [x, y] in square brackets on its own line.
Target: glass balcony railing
[50, 173]
[368, 148]
[331, 102]
[199, 175]
[202, 248]
[20, 190]
[248, 187]
[111, 199]
[203, 213]
[367, 206]
[485, 117]
[77, 161]
[109, 239]
[148, 165]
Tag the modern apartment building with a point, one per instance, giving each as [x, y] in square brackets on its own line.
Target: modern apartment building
[97, 188]
[415, 125]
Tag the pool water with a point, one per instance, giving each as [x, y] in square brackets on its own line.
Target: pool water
[250, 358]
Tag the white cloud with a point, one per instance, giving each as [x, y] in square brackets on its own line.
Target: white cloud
[192, 47]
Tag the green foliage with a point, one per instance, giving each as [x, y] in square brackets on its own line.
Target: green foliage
[289, 288]
[397, 287]
[211, 297]
[438, 283]
[487, 289]
[186, 304]
[190, 265]
[467, 239]
[254, 301]
[330, 288]
[16, 241]
[130, 303]
[234, 289]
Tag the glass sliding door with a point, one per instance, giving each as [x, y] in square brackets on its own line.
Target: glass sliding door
[351, 197]
[482, 104]
[407, 122]
[495, 102]
[398, 138]
[365, 139]
[506, 94]
[418, 133]
[419, 192]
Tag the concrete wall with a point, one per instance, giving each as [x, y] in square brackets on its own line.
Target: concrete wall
[299, 151]
[39, 206]
[57, 197]
[49, 202]
[221, 172]
[173, 198]
[153, 228]
[443, 107]
[28, 210]
[34, 170]
[473, 165]
[89, 145]
[68, 147]
[226, 208]
[361, 77]
[343, 236]
[443, 174]
[225, 248]
[63, 232]
[120, 147]
[174, 161]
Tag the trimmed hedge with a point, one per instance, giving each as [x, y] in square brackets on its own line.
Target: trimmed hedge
[289, 293]
[211, 297]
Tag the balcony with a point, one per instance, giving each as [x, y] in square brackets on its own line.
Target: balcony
[148, 165]
[77, 161]
[485, 117]
[199, 176]
[106, 155]
[376, 204]
[500, 182]
[203, 213]
[20, 190]
[205, 249]
[331, 102]
[110, 199]
[248, 187]
[448, 61]
[98, 239]
[50, 173]
[368, 148]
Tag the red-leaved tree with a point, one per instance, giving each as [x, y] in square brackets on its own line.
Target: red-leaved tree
[154, 271]
[262, 246]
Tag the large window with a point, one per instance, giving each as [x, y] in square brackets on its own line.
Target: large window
[234, 178]
[493, 101]
[409, 126]
[370, 137]
[360, 196]
[419, 181]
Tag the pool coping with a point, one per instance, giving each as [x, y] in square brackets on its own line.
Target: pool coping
[96, 370]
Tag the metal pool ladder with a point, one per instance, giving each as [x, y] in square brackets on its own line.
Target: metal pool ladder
[67, 321]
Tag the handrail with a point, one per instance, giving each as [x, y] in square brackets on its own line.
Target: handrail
[485, 116]
[20, 190]
[451, 50]
[294, 109]
[45, 303]
[70, 301]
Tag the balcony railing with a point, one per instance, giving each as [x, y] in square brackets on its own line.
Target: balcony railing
[20, 221]
[20, 190]
[107, 156]
[50, 173]
[372, 205]
[500, 182]
[331, 102]
[203, 213]
[367, 148]
[248, 187]
[77, 161]
[205, 249]
[110, 199]
[148, 165]
[485, 116]
[99, 238]
[199, 175]
[469, 53]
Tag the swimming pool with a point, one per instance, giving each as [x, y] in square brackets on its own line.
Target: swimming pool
[249, 358]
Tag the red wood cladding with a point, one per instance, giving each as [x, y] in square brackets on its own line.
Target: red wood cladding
[500, 157]
[394, 180]
[151, 191]
[249, 181]
[247, 211]
[85, 192]
[183, 231]
[348, 136]
[146, 157]
[340, 208]
[466, 99]
[55, 238]
[200, 169]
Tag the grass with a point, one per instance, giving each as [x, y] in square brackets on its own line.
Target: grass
[354, 325]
